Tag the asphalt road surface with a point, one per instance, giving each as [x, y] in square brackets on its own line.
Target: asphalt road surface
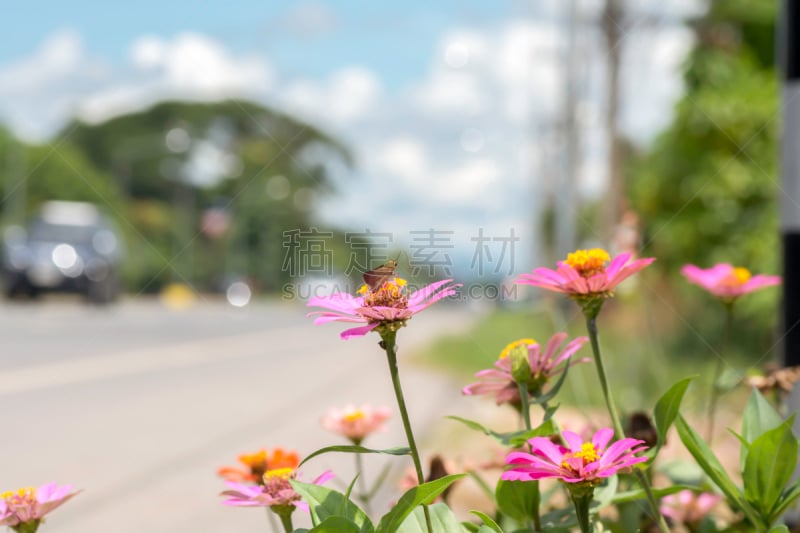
[138, 405]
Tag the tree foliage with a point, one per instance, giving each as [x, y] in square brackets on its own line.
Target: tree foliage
[707, 189]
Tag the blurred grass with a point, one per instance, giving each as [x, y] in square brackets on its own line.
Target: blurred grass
[635, 340]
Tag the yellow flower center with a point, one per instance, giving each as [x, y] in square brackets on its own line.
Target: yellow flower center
[588, 454]
[739, 276]
[354, 415]
[588, 262]
[28, 493]
[390, 294]
[510, 346]
[278, 473]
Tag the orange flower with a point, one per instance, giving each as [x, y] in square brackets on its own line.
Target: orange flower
[258, 464]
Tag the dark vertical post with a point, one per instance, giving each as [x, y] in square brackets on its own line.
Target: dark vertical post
[789, 52]
[789, 49]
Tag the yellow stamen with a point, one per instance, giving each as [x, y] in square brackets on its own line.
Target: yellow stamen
[741, 274]
[510, 346]
[278, 473]
[354, 415]
[588, 262]
[390, 294]
[588, 453]
[19, 493]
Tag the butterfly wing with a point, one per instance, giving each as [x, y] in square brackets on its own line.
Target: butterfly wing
[376, 277]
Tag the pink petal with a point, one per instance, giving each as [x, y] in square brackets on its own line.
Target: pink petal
[574, 441]
[546, 447]
[616, 264]
[359, 331]
[602, 437]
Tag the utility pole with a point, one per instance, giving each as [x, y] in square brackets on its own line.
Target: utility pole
[612, 27]
[789, 51]
[790, 179]
[566, 189]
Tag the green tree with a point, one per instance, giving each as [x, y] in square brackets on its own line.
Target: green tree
[260, 167]
[707, 189]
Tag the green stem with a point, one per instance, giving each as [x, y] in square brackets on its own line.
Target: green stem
[525, 405]
[582, 511]
[364, 495]
[286, 520]
[718, 368]
[591, 326]
[388, 345]
[525, 412]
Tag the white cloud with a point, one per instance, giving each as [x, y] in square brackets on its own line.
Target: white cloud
[349, 95]
[41, 92]
[404, 158]
[190, 66]
[38, 93]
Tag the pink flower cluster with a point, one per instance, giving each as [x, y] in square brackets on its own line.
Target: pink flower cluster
[688, 507]
[584, 273]
[385, 305]
[544, 364]
[355, 423]
[579, 462]
[276, 491]
[727, 282]
[29, 505]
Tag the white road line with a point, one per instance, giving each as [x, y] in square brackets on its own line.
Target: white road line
[144, 360]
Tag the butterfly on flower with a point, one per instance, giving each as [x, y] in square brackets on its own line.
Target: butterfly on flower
[375, 278]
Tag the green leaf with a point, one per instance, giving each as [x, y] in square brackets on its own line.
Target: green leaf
[442, 519]
[488, 522]
[667, 407]
[550, 394]
[335, 524]
[422, 494]
[758, 418]
[349, 448]
[712, 467]
[325, 503]
[787, 499]
[779, 529]
[515, 438]
[605, 494]
[769, 468]
[517, 498]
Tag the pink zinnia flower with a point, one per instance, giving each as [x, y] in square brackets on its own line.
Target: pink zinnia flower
[544, 364]
[584, 273]
[355, 423]
[726, 281]
[582, 462]
[276, 492]
[386, 305]
[688, 507]
[28, 506]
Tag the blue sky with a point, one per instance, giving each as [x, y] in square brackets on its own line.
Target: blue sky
[451, 107]
[392, 37]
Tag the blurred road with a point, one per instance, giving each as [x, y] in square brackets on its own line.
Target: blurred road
[138, 405]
